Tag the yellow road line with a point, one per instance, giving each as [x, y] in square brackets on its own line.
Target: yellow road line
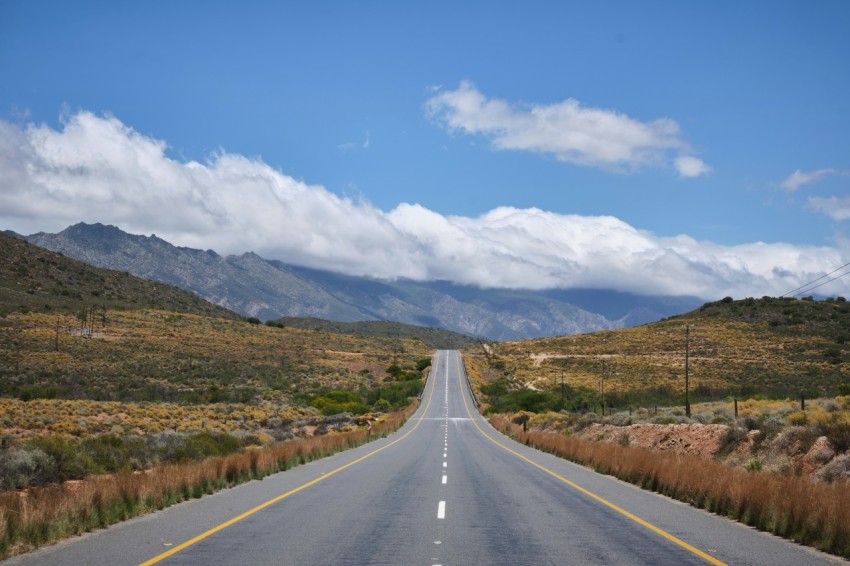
[602, 500]
[282, 496]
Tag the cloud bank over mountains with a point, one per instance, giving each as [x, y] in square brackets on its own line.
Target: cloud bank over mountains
[97, 169]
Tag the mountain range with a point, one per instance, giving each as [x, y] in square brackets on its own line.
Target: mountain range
[270, 289]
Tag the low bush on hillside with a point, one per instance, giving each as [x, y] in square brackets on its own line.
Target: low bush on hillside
[503, 398]
[56, 458]
[387, 395]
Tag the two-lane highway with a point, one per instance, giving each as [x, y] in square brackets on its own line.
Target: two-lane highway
[445, 489]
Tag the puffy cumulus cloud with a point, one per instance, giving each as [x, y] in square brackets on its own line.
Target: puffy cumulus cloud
[96, 169]
[690, 166]
[568, 130]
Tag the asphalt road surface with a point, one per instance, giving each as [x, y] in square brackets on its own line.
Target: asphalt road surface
[446, 489]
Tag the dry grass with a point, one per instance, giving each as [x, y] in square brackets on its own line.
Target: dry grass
[815, 514]
[21, 420]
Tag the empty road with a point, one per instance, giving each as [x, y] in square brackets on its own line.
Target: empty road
[446, 489]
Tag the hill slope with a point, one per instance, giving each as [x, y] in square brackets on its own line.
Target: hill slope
[435, 338]
[268, 290]
[32, 278]
[773, 347]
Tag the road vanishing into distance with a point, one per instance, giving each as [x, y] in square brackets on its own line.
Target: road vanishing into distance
[445, 489]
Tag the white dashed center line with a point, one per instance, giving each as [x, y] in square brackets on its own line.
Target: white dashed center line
[441, 510]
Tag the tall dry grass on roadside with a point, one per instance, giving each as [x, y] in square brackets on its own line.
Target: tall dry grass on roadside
[815, 514]
[38, 516]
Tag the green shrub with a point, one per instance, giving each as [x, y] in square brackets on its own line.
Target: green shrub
[69, 463]
[37, 391]
[397, 394]
[23, 466]
[340, 401]
[107, 453]
[206, 444]
[837, 430]
[730, 439]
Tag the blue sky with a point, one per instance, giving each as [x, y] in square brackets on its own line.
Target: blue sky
[515, 124]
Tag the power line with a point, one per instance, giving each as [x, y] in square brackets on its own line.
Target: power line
[822, 284]
[815, 281]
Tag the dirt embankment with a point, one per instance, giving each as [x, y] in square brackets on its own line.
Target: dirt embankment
[791, 451]
[694, 439]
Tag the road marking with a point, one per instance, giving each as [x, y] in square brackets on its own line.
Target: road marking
[260, 507]
[657, 530]
[444, 480]
[441, 510]
[444, 464]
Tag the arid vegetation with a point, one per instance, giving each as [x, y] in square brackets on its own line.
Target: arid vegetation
[149, 355]
[768, 436]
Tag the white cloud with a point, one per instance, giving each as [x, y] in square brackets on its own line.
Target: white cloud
[798, 178]
[690, 166]
[568, 130]
[837, 208]
[96, 169]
